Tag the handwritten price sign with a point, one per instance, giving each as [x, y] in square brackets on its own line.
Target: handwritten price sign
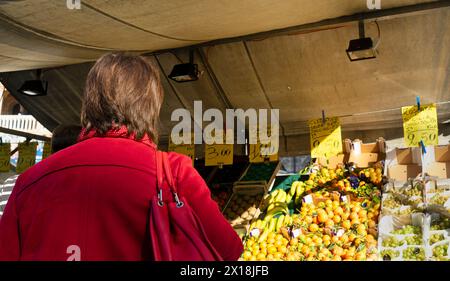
[27, 156]
[218, 154]
[255, 155]
[185, 149]
[420, 125]
[5, 149]
[326, 137]
[255, 150]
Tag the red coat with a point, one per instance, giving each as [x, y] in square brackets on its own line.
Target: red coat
[95, 195]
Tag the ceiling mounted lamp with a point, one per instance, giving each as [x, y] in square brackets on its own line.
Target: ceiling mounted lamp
[185, 72]
[362, 48]
[36, 87]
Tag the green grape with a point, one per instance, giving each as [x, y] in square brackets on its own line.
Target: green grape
[392, 242]
[414, 240]
[391, 203]
[436, 238]
[408, 229]
[439, 199]
[414, 253]
[440, 251]
[389, 254]
[441, 224]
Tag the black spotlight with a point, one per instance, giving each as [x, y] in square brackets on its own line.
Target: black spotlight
[362, 48]
[185, 72]
[36, 87]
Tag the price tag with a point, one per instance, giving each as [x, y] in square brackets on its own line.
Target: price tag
[308, 199]
[27, 156]
[185, 149]
[256, 154]
[5, 157]
[47, 150]
[219, 154]
[420, 125]
[326, 137]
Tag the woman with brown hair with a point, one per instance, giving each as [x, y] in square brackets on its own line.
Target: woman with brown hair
[92, 201]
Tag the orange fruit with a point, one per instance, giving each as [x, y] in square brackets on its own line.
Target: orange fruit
[338, 211]
[346, 224]
[305, 250]
[278, 243]
[282, 249]
[354, 215]
[277, 255]
[293, 242]
[270, 257]
[322, 217]
[255, 252]
[313, 227]
[271, 241]
[263, 245]
[329, 223]
[355, 222]
[272, 250]
[352, 237]
[335, 239]
[362, 213]
[279, 237]
[308, 219]
[253, 258]
[338, 251]
[247, 255]
[337, 219]
[336, 258]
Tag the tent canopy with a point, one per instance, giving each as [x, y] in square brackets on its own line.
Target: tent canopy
[301, 70]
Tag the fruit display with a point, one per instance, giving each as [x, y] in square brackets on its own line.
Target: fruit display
[413, 254]
[440, 224]
[440, 252]
[221, 198]
[242, 208]
[438, 198]
[326, 228]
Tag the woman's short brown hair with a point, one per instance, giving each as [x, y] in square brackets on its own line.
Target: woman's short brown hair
[123, 90]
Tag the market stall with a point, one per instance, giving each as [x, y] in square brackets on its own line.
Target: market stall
[377, 130]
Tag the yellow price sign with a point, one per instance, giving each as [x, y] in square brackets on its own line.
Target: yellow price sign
[420, 125]
[47, 150]
[326, 137]
[27, 156]
[255, 155]
[255, 150]
[218, 154]
[5, 157]
[185, 149]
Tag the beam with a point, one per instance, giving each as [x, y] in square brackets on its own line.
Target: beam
[24, 134]
[355, 18]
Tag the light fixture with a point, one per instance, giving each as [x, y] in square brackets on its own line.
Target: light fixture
[185, 72]
[34, 87]
[362, 48]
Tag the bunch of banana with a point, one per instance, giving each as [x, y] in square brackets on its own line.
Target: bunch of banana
[272, 225]
[297, 190]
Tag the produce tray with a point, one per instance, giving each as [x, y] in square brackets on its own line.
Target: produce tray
[255, 193]
[285, 181]
[250, 177]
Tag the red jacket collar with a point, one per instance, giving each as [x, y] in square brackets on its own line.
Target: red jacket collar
[121, 132]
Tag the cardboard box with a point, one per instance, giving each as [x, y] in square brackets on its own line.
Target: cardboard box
[363, 155]
[439, 162]
[403, 163]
